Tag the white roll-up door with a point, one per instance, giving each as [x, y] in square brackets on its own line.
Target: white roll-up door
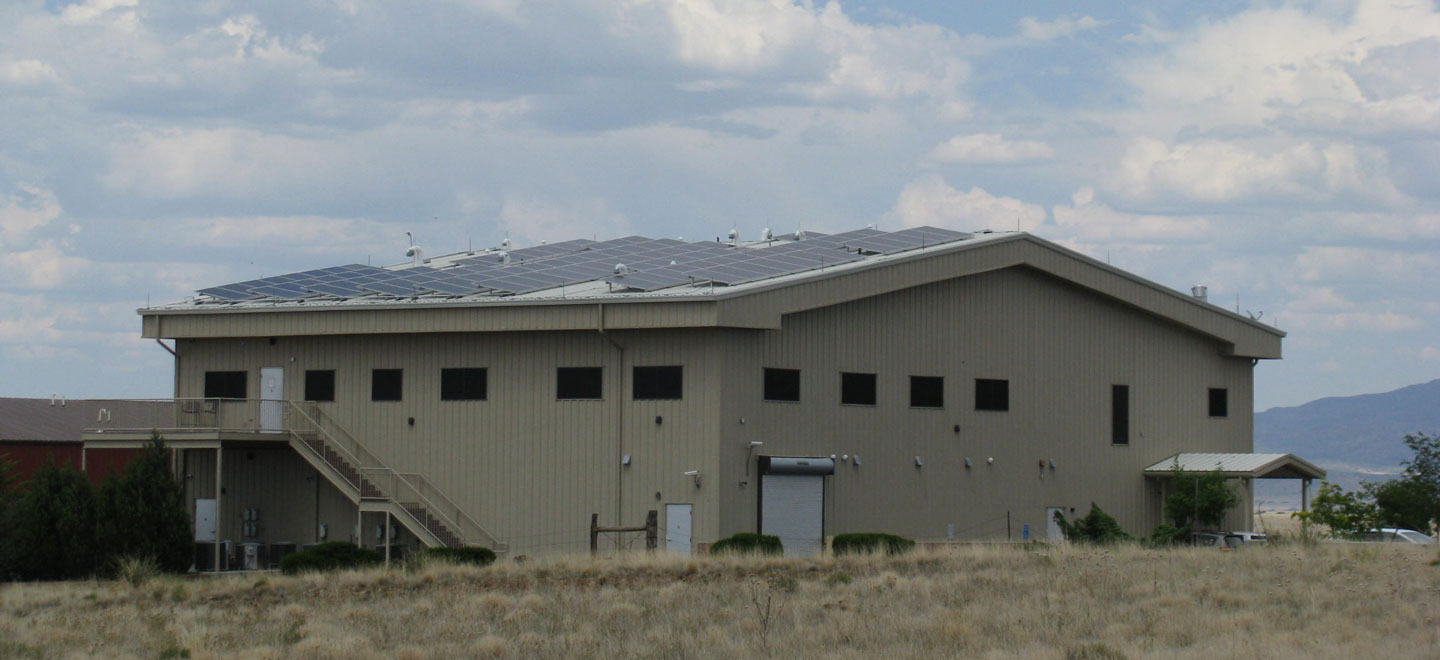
[792, 507]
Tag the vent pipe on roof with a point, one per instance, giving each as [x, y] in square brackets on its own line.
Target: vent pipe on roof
[735, 236]
[766, 235]
[505, 258]
[799, 234]
[1200, 291]
[416, 254]
[621, 269]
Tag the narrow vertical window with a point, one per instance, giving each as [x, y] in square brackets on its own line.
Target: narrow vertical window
[464, 384]
[927, 392]
[782, 384]
[1120, 414]
[386, 384]
[992, 394]
[320, 385]
[1219, 402]
[857, 389]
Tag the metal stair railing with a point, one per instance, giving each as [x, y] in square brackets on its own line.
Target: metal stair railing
[412, 493]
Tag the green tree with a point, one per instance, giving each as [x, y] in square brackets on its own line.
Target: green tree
[52, 526]
[1198, 498]
[1347, 514]
[1422, 471]
[1404, 503]
[143, 512]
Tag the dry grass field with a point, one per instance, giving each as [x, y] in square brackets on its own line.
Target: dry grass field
[1283, 601]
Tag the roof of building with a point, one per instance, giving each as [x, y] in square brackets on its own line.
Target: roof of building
[1255, 466]
[628, 267]
[662, 283]
[41, 420]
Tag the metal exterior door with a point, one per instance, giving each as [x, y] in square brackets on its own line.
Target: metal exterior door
[792, 507]
[677, 528]
[205, 516]
[1052, 525]
[272, 399]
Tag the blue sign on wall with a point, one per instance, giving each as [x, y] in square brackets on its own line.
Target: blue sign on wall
[1025, 532]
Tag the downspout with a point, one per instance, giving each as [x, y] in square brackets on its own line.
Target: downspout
[619, 416]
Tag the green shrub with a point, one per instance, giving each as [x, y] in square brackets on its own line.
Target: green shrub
[1096, 527]
[746, 543]
[870, 543]
[332, 556]
[468, 555]
[1167, 535]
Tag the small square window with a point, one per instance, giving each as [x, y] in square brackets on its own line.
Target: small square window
[1120, 414]
[1219, 402]
[657, 383]
[927, 392]
[464, 384]
[857, 389]
[320, 385]
[225, 384]
[386, 384]
[992, 394]
[578, 383]
[782, 384]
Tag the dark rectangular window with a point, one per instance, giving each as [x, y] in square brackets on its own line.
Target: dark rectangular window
[225, 384]
[1219, 402]
[782, 384]
[320, 385]
[658, 383]
[992, 394]
[386, 384]
[927, 392]
[1120, 414]
[463, 384]
[578, 382]
[857, 389]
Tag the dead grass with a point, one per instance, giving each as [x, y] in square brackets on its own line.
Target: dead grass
[1296, 601]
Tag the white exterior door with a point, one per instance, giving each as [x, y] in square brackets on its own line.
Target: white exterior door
[1052, 525]
[272, 399]
[677, 528]
[792, 507]
[205, 521]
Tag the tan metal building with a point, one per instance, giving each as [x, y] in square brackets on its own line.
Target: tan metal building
[926, 383]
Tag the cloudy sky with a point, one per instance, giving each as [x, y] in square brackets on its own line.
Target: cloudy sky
[1287, 155]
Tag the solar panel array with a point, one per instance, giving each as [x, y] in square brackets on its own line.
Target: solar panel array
[648, 265]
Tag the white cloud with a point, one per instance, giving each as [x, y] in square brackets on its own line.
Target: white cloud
[931, 201]
[1228, 171]
[89, 10]
[1430, 354]
[1355, 265]
[1091, 220]
[27, 72]
[529, 220]
[227, 162]
[27, 209]
[990, 148]
[1063, 26]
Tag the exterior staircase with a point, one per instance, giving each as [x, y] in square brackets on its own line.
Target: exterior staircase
[375, 487]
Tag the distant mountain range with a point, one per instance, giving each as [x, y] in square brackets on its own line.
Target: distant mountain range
[1354, 438]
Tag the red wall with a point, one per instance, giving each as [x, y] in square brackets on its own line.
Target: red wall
[99, 463]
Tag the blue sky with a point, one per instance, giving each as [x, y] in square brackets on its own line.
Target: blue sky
[1284, 154]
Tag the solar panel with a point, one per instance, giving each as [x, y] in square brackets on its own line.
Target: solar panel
[907, 239]
[659, 278]
[228, 292]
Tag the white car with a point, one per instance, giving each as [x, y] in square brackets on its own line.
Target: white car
[1393, 535]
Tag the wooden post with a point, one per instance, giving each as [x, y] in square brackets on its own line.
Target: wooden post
[652, 530]
[387, 538]
[594, 534]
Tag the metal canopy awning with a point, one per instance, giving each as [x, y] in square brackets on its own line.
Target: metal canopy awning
[1254, 466]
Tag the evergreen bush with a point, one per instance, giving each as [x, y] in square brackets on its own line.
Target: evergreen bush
[143, 513]
[746, 543]
[870, 543]
[1096, 527]
[51, 531]
[475, 555]
[332, 556]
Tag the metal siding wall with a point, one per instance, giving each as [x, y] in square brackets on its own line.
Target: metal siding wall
[278, 483]
[1059, 346]
[528, 468]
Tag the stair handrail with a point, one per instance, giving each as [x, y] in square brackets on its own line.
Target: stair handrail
[427, 494]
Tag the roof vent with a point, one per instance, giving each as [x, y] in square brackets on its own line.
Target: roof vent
[1201, 292]
[505, 244]
[415, 253]
[505, 258]
[766, 235]
[734, 235]
[621, 269]
[799, 234]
